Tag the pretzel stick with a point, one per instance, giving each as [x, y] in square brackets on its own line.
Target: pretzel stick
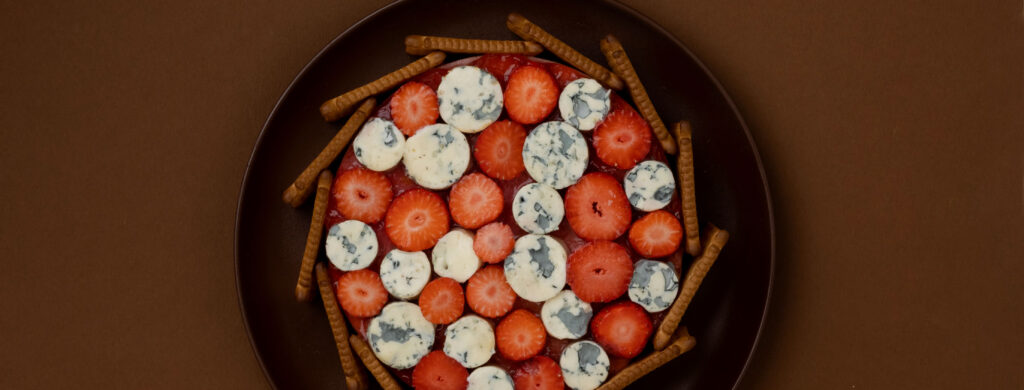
[354, 377]
[716, 239]
[620, 63]
[683, 342]
[687, 187]
[299, 190]
[316, 230]
[531, 32]
[384, 378]
[337, 107]
[423, 44]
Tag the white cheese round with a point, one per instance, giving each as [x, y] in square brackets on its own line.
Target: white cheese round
[654, 285]
[436, 156]
[454, 257]
[584, 103]
[649, 185]
[490, 378]
[555, 154]
[538, 208]
[469, 98]
[536, 267]
[379, 145]
[566, 316]
[470, 341]
[400, 336]
[584, 365]
[404, 274]
[351, 245]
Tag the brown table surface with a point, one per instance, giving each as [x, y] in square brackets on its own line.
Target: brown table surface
[890, 131]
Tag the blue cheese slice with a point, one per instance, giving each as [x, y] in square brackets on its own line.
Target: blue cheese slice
[400, 336]
[565, 316]
[538, 208]
[654, 285]
[536, 267]
[490, 378]
[584, 365]
[555, 154]
[470, 341]
[454, 257]
[584, 103]
[469, 98]
[404, 274]
[649, 185]
[436, 156]
[379, 145]
[351, 245]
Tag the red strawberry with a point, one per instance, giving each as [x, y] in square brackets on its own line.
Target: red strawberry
[500, 65]
[499, 150]
[488, 293]
[600, 271]
[657, 234]
[441, 301]
[539, 373]
[416, 220]
[531, 94]
[362, 194]
[475, 200]
[413, 106]
[361, 293]
[597, 208]
[437, 371]
[493, 242]
[622, 329]
[622, 139]
[520, 335]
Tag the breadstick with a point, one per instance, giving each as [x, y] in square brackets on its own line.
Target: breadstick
[316, 230]
[687, 187]
[683, 342]
[384, 378]
[354, 377]
[423, 44]
[620, 63]
[531, 32]
[716, 239]
[299, 190]
[337, 107]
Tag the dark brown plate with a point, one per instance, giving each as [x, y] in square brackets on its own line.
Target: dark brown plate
[293, 341]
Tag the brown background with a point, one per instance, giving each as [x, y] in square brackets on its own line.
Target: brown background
[891, 134]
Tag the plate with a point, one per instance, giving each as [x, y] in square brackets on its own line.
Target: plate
[293, 341]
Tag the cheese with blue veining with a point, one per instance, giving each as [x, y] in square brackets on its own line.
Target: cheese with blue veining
[649, 185]
[436, 156]
[565, 316]
[470, 341]
[555, 154]
[399, 336]
[379, 145]
[404, 274]
[537, 208]
[469, 98]
[454, 257]
[585, 365]
[536, 267]
[584, 103]
[654, 285]
[490, 378]
[351, 245]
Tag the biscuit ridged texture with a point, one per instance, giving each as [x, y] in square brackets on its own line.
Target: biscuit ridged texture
[384, 378]
[316, 230]
[353, 374]
[716, 239]
[687, 187]
[423, 44]
[337, 107]
[531, 32]
[683, 342]
[619, 61]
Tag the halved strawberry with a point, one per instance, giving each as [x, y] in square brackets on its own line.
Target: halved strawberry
[361, 293]
[500, 65]
[657, 234]
[413, 106]
[499, 150]
[488, 293]
[493, 242]
[599, 271]
[442, 301]
[539, 373]
[622, 329]
[475, 200]
[622, 139]
[531, 94]
[362, 194]
[437, 371]
[597, 208]
[416, 220]
[520, 335]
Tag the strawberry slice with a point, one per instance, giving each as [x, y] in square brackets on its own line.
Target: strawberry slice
[622, 139]
[622, 329]
[539, 373]
[416, 220]
[531, 94]
[493, 242]
[437, 371]
[600, 271]
[499, 150]
[362, 194]
[597, 208]
[475, 200]
[441, 301]
[361, 293]
[520, 335]
[413, 106]
[488, 293]
[657, 234]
